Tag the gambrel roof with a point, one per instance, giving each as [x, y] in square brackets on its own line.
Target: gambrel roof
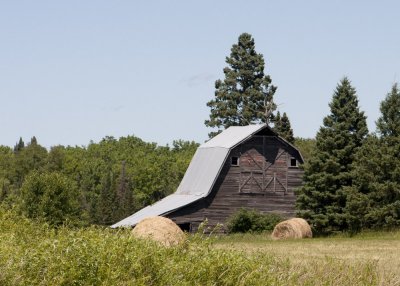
[201, 174]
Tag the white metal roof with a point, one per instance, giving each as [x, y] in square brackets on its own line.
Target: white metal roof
[166, 205]
[200, 176]
[202, 171]
[232, 136]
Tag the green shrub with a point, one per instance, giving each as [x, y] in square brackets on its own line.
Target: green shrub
[249, 220]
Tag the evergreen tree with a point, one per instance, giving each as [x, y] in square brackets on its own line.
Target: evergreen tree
[374, 199]
[388, 124]
[124, 196]
[245, 96]
[33, 141]
[283, 128]
[19, 146]
[106, 201]
[278, 122]
[327, 174]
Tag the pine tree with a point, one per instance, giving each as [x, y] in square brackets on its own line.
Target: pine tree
[245, 96]
[283, 128]
[327, 174]
[374, 199]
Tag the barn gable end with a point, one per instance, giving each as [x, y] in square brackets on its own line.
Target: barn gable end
[263, 180]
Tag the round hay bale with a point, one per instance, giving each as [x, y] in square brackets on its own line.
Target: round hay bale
[159, 229]
[292, 228]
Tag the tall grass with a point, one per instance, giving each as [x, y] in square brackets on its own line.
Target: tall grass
[36, 254]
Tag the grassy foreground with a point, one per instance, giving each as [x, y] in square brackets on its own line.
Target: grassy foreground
[381, 250]
[34, 254]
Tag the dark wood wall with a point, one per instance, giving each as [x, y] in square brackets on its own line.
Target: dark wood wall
[264, 180]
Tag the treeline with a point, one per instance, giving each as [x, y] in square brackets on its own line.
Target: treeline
[352, 180]
[352, 177]
[98, 184]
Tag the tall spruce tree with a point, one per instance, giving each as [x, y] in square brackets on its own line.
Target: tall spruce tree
[124, 195]
[277, 122]
[245, 96]
[34, 141]
[374, 199]
[19, 146]
[283, 128]
[388, 125]
[105, 206]
[322, 198]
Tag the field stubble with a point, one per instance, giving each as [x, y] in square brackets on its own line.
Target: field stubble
[380, 250]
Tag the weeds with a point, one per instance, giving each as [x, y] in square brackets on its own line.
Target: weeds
[36, 254]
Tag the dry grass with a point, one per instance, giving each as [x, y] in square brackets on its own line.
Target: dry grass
[159, 229]
[378, 248]
[292, 228]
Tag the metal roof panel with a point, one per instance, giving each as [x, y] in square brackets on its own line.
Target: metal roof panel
[232, 136]
[166, 205]
[203, 170]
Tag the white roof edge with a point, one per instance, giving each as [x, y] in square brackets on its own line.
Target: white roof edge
[233, 135]
[151, 210]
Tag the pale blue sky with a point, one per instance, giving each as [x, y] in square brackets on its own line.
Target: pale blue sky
[75, 71]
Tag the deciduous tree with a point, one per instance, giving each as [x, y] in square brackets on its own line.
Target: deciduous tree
[50, 196]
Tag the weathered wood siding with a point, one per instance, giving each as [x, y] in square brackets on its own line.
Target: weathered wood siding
[263, 180]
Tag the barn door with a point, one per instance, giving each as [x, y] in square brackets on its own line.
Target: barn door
[276, 171]
[263, 169]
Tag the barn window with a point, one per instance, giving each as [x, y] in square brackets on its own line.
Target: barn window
[293, 162]
[235, 161]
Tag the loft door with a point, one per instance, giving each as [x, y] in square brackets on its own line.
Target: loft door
[263, 168]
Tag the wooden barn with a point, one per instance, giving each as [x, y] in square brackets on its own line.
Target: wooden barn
[243, 167]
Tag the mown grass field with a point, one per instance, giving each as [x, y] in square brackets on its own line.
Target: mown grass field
[33, 253]
[380, 250]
